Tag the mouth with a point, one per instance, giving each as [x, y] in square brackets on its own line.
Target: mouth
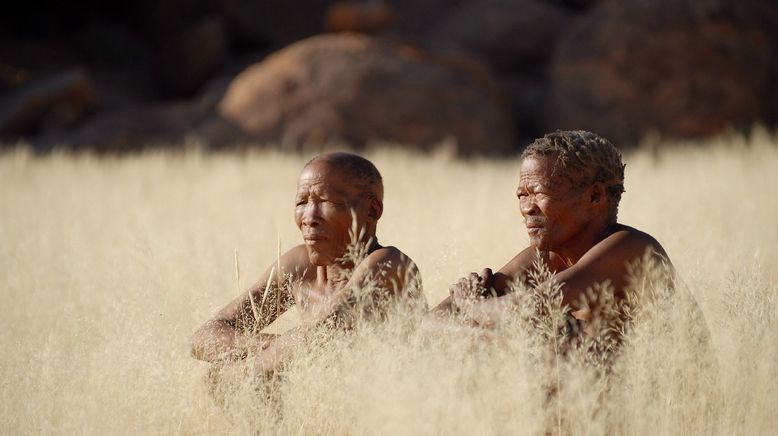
[312, 239]
[534, 228]
[534, 231]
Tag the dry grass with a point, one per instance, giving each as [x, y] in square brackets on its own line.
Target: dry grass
[107, 266]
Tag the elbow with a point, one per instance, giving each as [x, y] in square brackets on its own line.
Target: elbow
[196, 345]
[212, 342]
[202, 343]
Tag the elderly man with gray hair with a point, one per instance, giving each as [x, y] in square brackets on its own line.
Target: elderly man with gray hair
[569, 191]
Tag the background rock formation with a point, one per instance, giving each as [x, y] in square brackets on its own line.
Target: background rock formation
[356, 89]
[129, 75]
[682, 68]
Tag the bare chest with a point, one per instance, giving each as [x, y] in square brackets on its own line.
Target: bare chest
[313, 296]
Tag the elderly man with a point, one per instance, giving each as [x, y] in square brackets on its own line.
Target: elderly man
[569, 191]
[338, 204]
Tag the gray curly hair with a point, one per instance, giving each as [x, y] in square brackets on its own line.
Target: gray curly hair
[584, 158]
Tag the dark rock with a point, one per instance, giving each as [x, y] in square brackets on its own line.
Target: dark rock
[131, 129]
[363, 17]
[157, 20]
[577, 5]
[25, 61]
[55, 102]
[515, 36]
[680, 68]
[414, 18]
[187, 59]
[359, 90]
[274, 22]
[527, 96]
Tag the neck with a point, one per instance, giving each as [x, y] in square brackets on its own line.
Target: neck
[341, 269]
[575, 249]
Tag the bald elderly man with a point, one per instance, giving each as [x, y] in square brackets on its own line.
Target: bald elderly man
[569, 190]
[337, 193]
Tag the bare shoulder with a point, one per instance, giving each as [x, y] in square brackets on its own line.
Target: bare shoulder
[389, 257]
[395, 269]
[627, 242]
[520, 263]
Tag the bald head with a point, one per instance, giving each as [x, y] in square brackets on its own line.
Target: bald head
[339, 197]
[360, 171]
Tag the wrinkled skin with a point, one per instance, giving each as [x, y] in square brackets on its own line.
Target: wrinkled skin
[554, 212]
[326, 203]
[569, 229]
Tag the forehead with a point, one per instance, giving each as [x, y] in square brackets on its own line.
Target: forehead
[321, 175]
[537, 168]
[543, 171]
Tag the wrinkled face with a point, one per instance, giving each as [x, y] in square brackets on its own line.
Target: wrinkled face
[323, 204]
[554, 211]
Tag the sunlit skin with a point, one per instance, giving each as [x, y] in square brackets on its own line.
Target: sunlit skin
[326, 203]
[568, 227]
[323, 212]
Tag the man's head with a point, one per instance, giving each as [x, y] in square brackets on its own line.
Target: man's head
[331, 187]
[570, 181]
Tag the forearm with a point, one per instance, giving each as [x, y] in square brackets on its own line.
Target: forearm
[444, 309]
[219, 341]
[433, 326]
[279, 352]
[490, 312]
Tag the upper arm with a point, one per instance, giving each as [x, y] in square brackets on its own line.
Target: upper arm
[608, 261]
[514, 271]
[265, 300]
[387, 271]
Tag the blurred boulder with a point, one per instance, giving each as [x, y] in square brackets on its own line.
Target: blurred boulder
[186, 60]
[158, 19]
[23, 61]
[576, 4]
[515, 36]
[131, 129]
[356, 90]
[681, 68]
[527, 97]
[414, 18]
[274, 22]
[363, 17]
[54, 102]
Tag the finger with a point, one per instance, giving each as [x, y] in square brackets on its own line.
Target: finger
[488, 277]
[582, 315]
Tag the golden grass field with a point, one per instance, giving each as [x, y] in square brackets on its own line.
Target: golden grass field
[107, 265]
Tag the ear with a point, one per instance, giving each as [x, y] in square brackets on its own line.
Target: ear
[375, 209]
[597, 193]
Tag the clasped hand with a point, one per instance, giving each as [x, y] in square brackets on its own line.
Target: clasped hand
[468, 290]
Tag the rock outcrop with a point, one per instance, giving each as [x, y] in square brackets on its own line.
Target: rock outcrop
[680, 68]
[359, 90]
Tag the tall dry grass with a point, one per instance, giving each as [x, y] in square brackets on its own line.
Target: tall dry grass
[107, 265]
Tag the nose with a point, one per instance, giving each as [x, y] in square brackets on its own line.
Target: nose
[310, 216]
[528, 206]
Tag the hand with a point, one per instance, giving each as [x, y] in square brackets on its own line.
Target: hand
[469, 289]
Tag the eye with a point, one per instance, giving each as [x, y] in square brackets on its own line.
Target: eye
[331, 200]
[301, 202]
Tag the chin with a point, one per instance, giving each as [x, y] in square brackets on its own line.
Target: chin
[317, 259]
[541, 244]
